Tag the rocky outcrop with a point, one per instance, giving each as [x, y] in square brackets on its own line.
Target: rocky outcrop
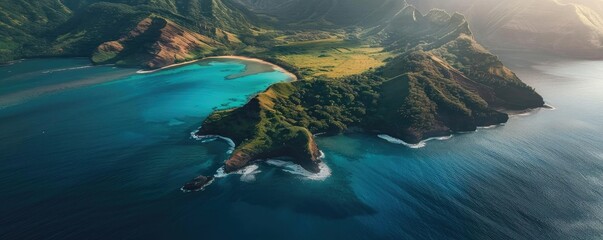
[197, 184]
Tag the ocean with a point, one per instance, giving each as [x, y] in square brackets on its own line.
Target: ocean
[98, 152]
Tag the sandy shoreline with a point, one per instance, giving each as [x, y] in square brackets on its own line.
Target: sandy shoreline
[166, 67]
[274, 66]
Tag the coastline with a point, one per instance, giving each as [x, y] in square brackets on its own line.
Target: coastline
[525, 112]
[242, 58]
[418, 145]
[257, 60]
[167, 67]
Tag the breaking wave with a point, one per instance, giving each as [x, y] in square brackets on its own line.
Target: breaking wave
[211, 138]
[296, 169]
[247, 173]
[549, 107]
[421, 144]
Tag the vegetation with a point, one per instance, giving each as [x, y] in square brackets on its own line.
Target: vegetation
[21, 21]
[78, 28]
[389, 69]
[331, 58]
[424, 91]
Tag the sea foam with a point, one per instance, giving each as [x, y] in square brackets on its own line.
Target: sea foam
[247, 173]
[491, 126]
[549, 107]
[296, 169]
[211, 138]
[421, 144]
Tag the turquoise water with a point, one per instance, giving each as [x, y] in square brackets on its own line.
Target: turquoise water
[99, 152]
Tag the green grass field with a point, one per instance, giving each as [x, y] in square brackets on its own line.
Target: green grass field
[332, 57]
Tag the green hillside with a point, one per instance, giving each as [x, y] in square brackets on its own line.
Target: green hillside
[22, 23]
[441, 81]
[326, 13]
[380, 66]
[79, 28]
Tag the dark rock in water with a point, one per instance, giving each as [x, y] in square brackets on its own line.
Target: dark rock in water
[197, 184]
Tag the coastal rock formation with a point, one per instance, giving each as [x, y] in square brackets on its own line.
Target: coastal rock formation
[197, 184]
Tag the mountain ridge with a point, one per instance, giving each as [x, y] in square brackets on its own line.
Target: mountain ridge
[421, 93]
[572, 28]
[392, 70]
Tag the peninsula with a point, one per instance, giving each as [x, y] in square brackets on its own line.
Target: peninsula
[379, 66]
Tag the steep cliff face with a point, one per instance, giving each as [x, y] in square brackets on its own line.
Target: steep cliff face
[568, 27]
[155, 42]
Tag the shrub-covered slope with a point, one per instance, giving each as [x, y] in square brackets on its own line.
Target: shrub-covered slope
[155, 42]
[79, 28]
[326, 13]
[435, 79]
[22, 21]
[446, 83]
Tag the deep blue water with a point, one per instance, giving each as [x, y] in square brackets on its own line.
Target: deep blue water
[100, 152]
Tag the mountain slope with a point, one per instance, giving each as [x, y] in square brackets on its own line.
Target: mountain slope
[434, 78]
[87, 25]
[326, 13]
[155, 42]
[442, 82]
[21, 21]
[568, 27]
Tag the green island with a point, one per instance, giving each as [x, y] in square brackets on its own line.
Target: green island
[378, 66]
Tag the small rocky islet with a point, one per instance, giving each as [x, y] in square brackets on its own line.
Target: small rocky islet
[197, 184]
